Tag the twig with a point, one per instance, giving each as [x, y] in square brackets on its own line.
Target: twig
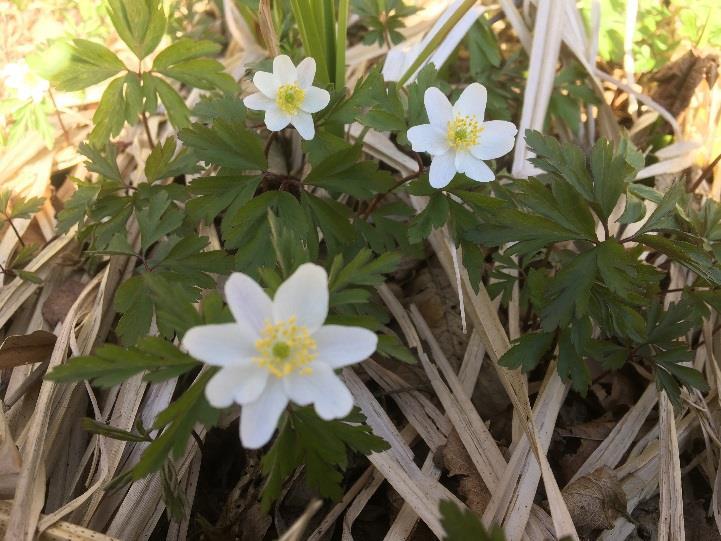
[144, 117]
[705, 174]
[60, 118]
[381, 196]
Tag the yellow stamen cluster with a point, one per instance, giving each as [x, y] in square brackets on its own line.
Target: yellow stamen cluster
[289, 99]
[285, 347]
[463, 132]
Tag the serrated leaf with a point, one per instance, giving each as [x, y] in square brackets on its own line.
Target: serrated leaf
[526, 352]
[139, 23]
[185, 49]
[226, 144]
[77, 65]
[163, 162]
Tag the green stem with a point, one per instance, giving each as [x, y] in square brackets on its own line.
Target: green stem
[437, 39]
[340, 43]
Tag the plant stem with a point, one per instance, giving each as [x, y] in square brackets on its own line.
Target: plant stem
[60, 118]
[705, 174]
[340, 43]
[144, 116]
[381, 196]
[17, 233]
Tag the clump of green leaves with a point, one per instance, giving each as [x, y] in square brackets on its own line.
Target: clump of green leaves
[322, 447]
[382, 19]
[599, 296]
[15, 208]
[133, 92]
[462, 525]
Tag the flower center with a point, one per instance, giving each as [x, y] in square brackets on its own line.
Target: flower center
[284, 348]
[463, 132]
[290, 98]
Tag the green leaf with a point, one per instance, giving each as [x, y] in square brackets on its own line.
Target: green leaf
[107, 122]
[567, 161]
[157, 220]
[163, 162]
[185, 49]
[571, 365]
[686, 254]
[527, 351]
[178, 112]
[465, 526]
[663, 216]
[177, 421]
[217, 193]
[432, 217]
[103, 164]
[363, 270]
[111, 364]
[102, 429]
[322, 446]
[609, 178]
[77, 65]
[569, 291]
[226, 144]
[136, 307]
[205, 73]
[140, 24]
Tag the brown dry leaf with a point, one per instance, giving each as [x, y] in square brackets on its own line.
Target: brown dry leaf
[26, 349]
[589, 436]
[678, 80]
[58, 304]
[595, 500]
[437, 301]
[455, 460]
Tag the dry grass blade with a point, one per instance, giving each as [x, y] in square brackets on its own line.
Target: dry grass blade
[670, 525]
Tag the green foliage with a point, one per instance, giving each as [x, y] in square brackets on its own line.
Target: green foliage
[583, 281]
[463, 525]
[141, 24]
[155, 358]
[382, 19]
[321, 446]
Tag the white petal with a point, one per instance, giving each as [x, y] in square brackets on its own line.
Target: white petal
[473, 167]
[259, 419]
[306, 72]
[267, 83]
[258, 102]
[303, 122]
[426, 138]
[443, 169]
[439, 109]
[275, 119]
[323, 388]
[227, 344]
[340, 346]
[496, 139]
[250, 305]
[284, 70]
[240, 384]
[472, 101]
[315, 99]
[303, 295]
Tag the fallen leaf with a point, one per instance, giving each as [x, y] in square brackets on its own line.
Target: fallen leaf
[58, 303]
[595, 500]
[677, 81]
[456, 462]
[22, 349]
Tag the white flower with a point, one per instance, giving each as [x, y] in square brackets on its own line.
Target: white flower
[458, 139]
[279, 351]
[287, 96]
[25, 83]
